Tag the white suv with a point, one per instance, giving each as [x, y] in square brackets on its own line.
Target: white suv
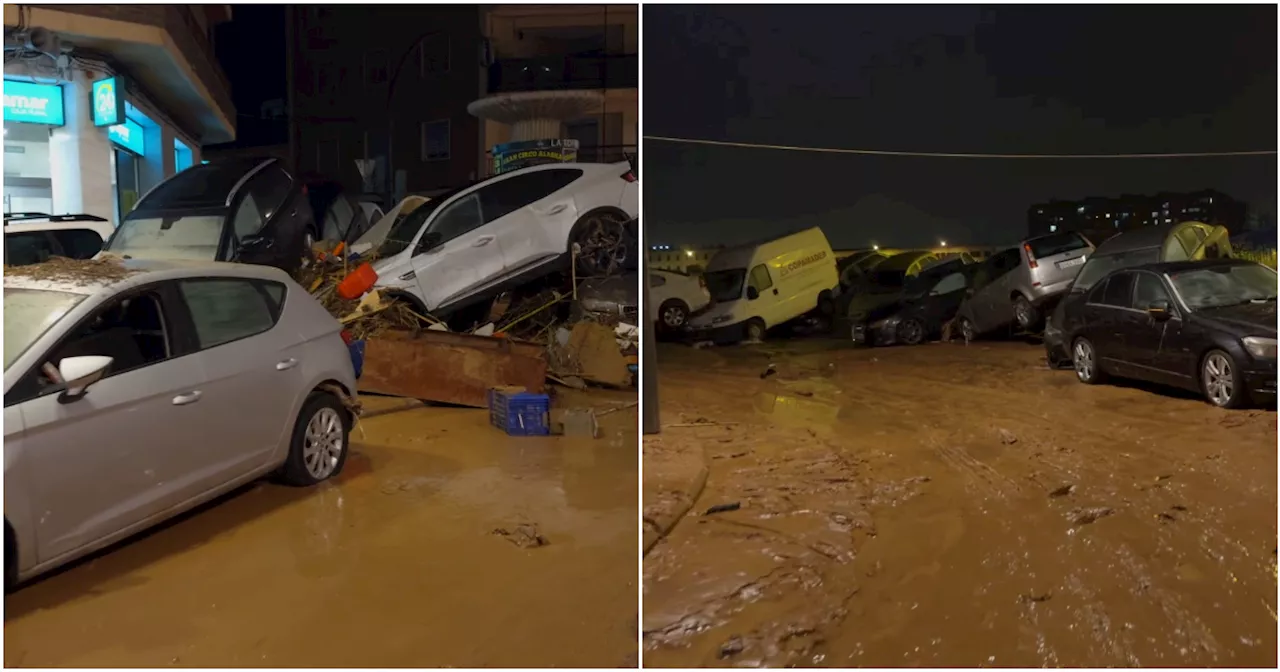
[472, 243]
[33, 237]
[673, 297]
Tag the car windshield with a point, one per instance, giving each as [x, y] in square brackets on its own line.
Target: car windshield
[887, 279]
[726, 285]
[169, 237]
[1218, 286]
[28, 313]
[403, 231]
[1099, 266]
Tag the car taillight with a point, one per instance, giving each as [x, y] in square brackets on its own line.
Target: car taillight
[1031, 257]
[628, 176]
[346, 337]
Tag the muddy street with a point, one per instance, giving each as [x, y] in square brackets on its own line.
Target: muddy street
[443, 543]
[950, 505]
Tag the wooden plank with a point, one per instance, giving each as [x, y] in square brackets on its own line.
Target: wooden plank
[451, 368]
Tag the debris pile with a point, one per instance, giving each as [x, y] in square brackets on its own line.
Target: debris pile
[105, 268]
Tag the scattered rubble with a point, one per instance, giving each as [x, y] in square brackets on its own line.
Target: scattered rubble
[105, 268]
[524, 535]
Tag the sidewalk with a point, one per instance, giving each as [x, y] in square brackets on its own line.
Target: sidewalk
[675, 471]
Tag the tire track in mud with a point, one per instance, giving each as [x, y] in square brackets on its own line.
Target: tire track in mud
[1094, 575]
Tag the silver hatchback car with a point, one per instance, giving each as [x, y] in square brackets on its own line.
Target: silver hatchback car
[136, 390]
[1021, 284]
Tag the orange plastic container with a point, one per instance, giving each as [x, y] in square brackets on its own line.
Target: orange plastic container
[358, 282]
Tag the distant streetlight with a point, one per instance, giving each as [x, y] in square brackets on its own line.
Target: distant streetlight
[875, 247]
[944, 243]
[688, 253]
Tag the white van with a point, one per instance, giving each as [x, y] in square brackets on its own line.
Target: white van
[762, 285]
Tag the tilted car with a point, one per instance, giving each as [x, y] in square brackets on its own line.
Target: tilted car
[1150, 244]
[252, 211]
[1016, 287]
[468, 245]
[1207, 326]
[133, 395]
[927, 302]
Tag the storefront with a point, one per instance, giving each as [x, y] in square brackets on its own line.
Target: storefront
[88, 146]
[31, 113]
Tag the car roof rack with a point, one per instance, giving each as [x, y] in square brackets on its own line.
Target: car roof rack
[27, 216]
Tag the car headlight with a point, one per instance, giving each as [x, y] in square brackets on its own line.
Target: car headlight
[721, 319]
[1262, 348]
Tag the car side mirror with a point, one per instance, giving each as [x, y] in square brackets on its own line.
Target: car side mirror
[1159, 311]
[752, 293]
[78, 373]
[429, 241]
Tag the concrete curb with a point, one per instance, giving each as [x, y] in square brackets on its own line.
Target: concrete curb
[657, 530]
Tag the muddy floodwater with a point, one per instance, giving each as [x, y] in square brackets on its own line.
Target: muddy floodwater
[952, 505]
[424, 553]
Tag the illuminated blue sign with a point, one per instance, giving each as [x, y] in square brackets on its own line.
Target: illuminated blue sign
[33, 103]
[128, 135]
[108, 102]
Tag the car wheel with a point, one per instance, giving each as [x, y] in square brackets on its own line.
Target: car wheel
[1026, 314]
[754, 330]
[318, 448]
[826, 304]
[602, 243]
[1220, 380]
[967, 332]
[911, 332]
[1085, 360]
[673, 314]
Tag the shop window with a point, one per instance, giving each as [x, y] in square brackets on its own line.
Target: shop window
[28, 184]
[435, 140]
[182, 156]
[125, 181]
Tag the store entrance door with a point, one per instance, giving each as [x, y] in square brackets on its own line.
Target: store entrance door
[125, 181]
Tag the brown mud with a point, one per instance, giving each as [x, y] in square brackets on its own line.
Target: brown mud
[952, 505]
[399, 562]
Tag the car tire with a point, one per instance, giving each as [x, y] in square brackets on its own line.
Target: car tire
[313, 455]
[1220, 380]
[967, 332]
[754, 329]
[826, 304]
[1026, 315]
[601, 238]
[910, 332]
[673, 314]
[1084, 360]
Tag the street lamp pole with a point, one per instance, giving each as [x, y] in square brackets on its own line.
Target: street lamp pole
[391, 90]
[652, 424]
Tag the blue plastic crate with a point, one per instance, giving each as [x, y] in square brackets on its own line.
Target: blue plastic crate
[520, 413]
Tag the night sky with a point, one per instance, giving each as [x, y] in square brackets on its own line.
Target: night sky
[1044, 79]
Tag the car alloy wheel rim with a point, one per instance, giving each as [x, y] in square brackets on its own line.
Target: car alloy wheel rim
[966, 330]
[1084, 360]
[911, 331]
[322, 444]
[1219, 381]
[1024, 314]
[674, 317]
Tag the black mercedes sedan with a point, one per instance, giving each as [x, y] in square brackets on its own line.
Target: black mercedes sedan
[1208, 326]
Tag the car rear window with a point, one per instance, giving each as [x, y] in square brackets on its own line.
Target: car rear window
[199, 186]
[1047, 246]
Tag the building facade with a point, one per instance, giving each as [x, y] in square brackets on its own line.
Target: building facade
[681, 259]
[103, 102]
[561, 72]
[384, 89]
[1100, 218]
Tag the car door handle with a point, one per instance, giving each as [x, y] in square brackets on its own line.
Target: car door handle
[555, 209]
[188, 398]
[482, 241]
[286, 364]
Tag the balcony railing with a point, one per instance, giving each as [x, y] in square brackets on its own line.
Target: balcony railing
[550, 73]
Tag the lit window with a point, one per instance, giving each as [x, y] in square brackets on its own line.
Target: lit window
[1053, 227]
[1080, 210]
[1167, 220]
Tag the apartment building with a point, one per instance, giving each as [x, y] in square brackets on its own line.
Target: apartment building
[103, 102]
[1099, 218]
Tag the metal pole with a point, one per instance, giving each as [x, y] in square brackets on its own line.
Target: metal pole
[648, 353]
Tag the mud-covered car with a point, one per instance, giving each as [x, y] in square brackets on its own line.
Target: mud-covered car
[1208, 326]
[927, 302]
